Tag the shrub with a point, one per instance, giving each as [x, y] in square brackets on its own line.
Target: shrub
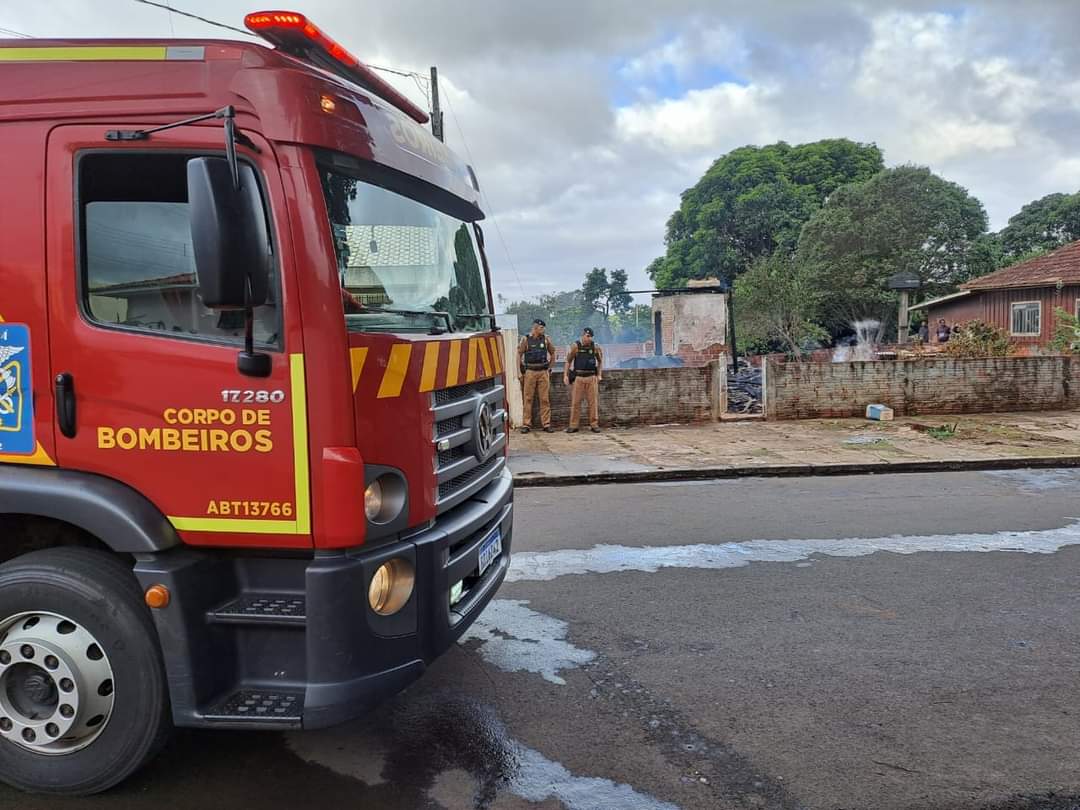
[1066, 332]
[978, 339]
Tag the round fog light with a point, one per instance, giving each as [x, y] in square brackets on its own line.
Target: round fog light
[384, 499]
[373, 500]
[391, 586]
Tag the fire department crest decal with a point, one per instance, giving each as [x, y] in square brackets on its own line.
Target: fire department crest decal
[16, 411]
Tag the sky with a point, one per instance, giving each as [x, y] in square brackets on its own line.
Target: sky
[585, 119]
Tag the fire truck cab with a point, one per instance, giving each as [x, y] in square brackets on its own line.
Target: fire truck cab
[252, 412]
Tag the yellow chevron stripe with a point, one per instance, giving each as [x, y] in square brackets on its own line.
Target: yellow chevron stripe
[484, 357]
[396, 369]
[496, 355]
[431, 366]
[470, 369]
[454, 365]
[356, 362]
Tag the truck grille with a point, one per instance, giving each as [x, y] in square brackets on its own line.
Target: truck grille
[459, 469]
[454, 484]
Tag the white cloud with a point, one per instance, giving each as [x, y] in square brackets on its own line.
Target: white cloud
[987, 96]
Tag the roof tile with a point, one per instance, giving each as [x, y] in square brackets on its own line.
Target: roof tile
[1058, 266]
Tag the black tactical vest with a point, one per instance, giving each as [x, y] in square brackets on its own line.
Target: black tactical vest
[585, 360]
[536, 352]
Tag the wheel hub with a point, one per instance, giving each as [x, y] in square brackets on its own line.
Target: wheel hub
[56, 684]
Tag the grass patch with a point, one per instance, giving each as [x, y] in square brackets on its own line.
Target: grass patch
[942, 432]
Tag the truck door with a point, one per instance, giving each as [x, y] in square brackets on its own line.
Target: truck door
[146, 376]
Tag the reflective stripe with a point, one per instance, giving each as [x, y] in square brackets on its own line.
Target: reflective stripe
[396, 369]
[470, 368]
[496, 354]
[431, 366]
[484, 358]
[39, 457]
[231, 526]
[89, 53]
[454, 365]
[302, 480]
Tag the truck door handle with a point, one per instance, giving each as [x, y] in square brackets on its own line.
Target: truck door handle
[65, 404]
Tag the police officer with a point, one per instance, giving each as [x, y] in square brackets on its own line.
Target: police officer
[536, 353]
[586, 359]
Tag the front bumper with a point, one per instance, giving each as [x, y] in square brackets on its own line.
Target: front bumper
[354, 662]
[239, 626]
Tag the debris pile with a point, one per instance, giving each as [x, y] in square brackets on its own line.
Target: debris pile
[744, 390]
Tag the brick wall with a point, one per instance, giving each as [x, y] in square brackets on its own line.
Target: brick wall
[648, 396]
[924, 386]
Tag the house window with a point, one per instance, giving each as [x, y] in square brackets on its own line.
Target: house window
[1076, 308]
[1026, 318]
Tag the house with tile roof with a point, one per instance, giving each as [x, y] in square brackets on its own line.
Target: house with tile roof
[1021, 298]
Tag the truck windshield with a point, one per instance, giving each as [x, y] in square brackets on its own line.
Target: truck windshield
[404, 266]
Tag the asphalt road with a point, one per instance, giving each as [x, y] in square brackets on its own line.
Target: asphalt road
[878, 642]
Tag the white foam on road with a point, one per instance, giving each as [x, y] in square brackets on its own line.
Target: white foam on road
[515, 638]
[537, 779]
[541, 566]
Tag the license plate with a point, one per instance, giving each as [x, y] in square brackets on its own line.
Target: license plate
[490, 549]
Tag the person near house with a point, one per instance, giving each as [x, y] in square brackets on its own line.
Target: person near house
[924, 332]
[585, 359]
[943, 331]
[536, 353]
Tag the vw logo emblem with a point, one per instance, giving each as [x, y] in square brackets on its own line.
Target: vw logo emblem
[483, 430]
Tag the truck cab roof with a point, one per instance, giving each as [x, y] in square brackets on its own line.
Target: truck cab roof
[138, 83]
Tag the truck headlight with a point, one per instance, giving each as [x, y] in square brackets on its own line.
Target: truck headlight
[384, 498]
[391, 586]
[373, 500]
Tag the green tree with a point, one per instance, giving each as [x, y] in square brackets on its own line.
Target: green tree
[985, 256]
[754, 201]
[619, 301]
[903, 219]
[594, 291]
[1040, 226]
[776, 302]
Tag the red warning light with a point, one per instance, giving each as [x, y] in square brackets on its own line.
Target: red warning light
[296, 34]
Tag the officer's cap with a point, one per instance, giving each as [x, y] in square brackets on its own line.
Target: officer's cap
[588, 331]
[539, 322]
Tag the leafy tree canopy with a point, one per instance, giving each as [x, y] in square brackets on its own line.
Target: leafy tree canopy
[905, 219]
[754, 201]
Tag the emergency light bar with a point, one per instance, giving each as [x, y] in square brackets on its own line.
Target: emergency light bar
[296, 35]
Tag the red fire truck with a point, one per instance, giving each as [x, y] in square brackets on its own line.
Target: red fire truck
[252, 412]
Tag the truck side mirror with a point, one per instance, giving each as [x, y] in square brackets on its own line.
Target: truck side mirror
[228, 234]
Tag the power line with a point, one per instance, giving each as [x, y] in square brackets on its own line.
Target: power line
[172, 10]
[12, 33]
[484, 196]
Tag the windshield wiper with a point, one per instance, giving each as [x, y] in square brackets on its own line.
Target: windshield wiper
[420, 312]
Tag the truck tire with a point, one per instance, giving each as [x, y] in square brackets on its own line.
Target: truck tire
[83, 696]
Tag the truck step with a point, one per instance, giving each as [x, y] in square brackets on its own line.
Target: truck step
[265, 608]
[278, 708]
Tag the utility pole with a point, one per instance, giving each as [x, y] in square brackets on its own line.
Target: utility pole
[436, 111]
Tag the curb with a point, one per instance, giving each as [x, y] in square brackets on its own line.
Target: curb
[797, 471]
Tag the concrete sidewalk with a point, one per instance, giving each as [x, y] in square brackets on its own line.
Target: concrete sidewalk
[811, 447]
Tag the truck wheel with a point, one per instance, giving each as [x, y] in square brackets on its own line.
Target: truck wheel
[83, 696]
